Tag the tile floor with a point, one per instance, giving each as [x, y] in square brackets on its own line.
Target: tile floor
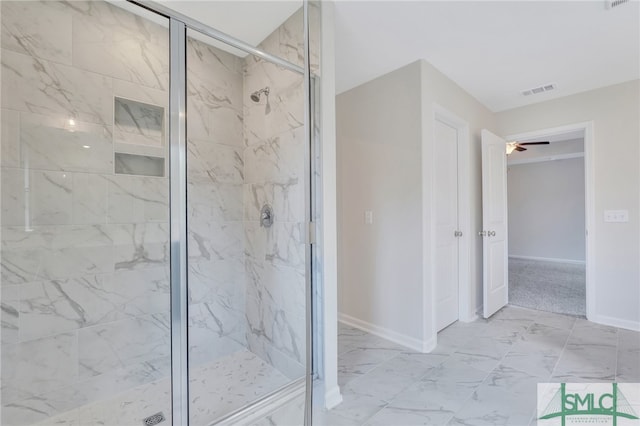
[481, 373]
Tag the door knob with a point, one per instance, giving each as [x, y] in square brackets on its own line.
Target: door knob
[482, 233]
[457, 233]
[492, 233]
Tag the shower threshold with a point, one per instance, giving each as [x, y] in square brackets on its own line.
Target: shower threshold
[218, 388]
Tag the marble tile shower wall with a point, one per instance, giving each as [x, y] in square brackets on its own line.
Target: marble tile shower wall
[85, 292]
[85, 286]
[215, 175]
[274, 174]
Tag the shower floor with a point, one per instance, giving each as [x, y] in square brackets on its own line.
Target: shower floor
[215, 389]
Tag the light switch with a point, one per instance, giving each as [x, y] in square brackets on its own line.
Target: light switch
[616, 215]
[368, 217]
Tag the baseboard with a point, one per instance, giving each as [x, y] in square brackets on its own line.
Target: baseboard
[548, 259]
[388, 334]
[429, 345]
[616, 322]
[470, 318]
[332, 398]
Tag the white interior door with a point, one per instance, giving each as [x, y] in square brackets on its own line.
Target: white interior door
[446, 224]
[494, 223]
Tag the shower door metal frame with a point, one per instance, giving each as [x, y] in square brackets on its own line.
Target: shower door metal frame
[178, 25]
[178, 228]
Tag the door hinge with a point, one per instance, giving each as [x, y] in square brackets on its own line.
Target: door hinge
[311, 232]
[482, 233]
[457, 234]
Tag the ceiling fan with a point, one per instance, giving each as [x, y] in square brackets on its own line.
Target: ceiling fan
[519, 146]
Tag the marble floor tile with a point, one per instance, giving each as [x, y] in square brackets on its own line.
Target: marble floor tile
[444, 389]
[350, 338]
[409, 417]
[330, 417]
[291, 413]
[550, 319]
[216, 389]
[69, 418]
[481, 373]
[628, 340]
[527, 358]
[231, 382]
[628, 365]
[358, 407]
[511, 381]
[430, 359]
[495, 407]
[483, 353]
[587, 360]
[538, 350]
[410, 364]
[382, 382]
[545, 337]
[587, 332]
[359, 361]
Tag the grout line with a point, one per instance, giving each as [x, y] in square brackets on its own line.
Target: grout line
[566, 342]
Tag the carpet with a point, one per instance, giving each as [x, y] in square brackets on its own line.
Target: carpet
[548, 286]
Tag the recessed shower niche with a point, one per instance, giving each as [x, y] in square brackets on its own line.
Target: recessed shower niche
[139, 138]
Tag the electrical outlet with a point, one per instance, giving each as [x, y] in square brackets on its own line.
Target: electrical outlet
[616, 216]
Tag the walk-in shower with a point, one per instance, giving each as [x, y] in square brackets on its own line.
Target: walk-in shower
[139, 281]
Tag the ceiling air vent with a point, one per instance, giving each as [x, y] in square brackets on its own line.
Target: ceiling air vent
[610, 4]
[541, 89]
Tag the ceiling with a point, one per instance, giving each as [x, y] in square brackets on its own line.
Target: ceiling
[563, 137]
[492, 49]
[248, 20]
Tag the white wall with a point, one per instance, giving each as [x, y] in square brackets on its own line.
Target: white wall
[329, 315]
[615, 112]
[384, 136]
[379, 138]
[546, 209]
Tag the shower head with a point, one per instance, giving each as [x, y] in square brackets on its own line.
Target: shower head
[255, 96]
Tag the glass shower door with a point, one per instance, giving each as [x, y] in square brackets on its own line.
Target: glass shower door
[84, 244]
[246, 218]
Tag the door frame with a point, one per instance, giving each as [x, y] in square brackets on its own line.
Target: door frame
[179, 24]
[466, 312]
[589, 187]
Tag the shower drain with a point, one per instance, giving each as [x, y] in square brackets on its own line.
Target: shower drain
[154, 419]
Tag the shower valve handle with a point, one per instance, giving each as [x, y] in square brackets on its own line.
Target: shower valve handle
[266, 216]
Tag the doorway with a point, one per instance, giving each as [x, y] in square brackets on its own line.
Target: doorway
[546, 217]
[495, 200]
